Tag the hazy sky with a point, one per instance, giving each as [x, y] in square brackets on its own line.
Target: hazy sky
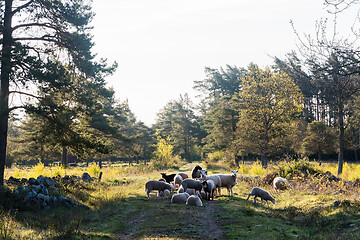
[163, 46]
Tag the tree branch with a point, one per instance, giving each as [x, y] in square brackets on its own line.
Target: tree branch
[47, 25]
[22, 7]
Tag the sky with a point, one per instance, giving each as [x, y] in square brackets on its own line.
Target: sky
[163, 46]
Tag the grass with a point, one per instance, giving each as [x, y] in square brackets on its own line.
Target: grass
[119, 208]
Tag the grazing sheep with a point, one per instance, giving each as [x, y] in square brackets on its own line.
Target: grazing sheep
[183, 175]
[179, 197]
[194, 200]
[228, 181]
[177, 180]
[209, 188]
[157, 185]
[215, 178]
[281, 183]
[263, 194]
[191, 183]
[195, 172]
[168, 178]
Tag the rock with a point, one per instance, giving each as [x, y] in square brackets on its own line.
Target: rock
[33, 181]
[336, 203]
[86, 177]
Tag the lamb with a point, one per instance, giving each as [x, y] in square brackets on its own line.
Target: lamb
[228, 181]
[194, 200]
[177, 180]
[191, 183]
[180, 197]
[168, 178]
[209, 188]
[281, 183]
[215, 178]
[165, 193]
[157, 185]
[263, 194]
[195, 172]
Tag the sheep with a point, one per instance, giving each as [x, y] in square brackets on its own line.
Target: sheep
[215, 178]
[165, 193]
[195, 172]
[194, 200]
[281, 183]
[179, 197]
[157, 185]
[228, 181]
[177, 180]
[183, 175]
[209, 188]
[191, 183]
[168, 178]
[263, 194]
[180, 189]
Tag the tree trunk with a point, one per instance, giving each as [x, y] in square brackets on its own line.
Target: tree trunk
[4, 85]
[64, 157]
[341, 141]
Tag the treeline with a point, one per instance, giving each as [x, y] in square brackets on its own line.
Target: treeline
[243, 113]
[307, 103]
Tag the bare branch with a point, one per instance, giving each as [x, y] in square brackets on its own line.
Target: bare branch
[22, 7]
[47, 25]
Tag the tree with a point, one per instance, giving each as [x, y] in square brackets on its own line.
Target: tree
[319, 139]
[270, 102]
[178, 120]
[51, 30]
[334, 62]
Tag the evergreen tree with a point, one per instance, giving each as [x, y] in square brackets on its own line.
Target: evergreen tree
[44, 31]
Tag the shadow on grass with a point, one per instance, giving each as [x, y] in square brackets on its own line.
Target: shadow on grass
[242, 219]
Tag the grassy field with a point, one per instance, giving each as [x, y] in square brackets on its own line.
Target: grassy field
[119, 208]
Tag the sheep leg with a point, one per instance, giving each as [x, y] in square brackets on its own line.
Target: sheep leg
[255, 200]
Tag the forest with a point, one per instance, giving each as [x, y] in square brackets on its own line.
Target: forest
[288, 119]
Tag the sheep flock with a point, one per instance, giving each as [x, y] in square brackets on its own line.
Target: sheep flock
[192, 191]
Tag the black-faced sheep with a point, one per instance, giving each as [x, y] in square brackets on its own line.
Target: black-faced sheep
[281, 183]
[228, 181]
[195, 172]
[191, 183]
[263, 194]
[157, 185]
[180, 197]
[168, 178]
[215, 178]
[209, 188]
[194, 200]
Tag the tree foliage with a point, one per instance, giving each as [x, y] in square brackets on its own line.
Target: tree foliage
[270, 102]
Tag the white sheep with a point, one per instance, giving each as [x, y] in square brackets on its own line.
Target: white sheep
[209, 189]
[165, 193]
[157, 185]
[179, 197]
[263, 194]
[191, 183]
[216, 178]
[183, 175]
[228, 181]
[281, 183]
[194, 200]
[177, 180]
